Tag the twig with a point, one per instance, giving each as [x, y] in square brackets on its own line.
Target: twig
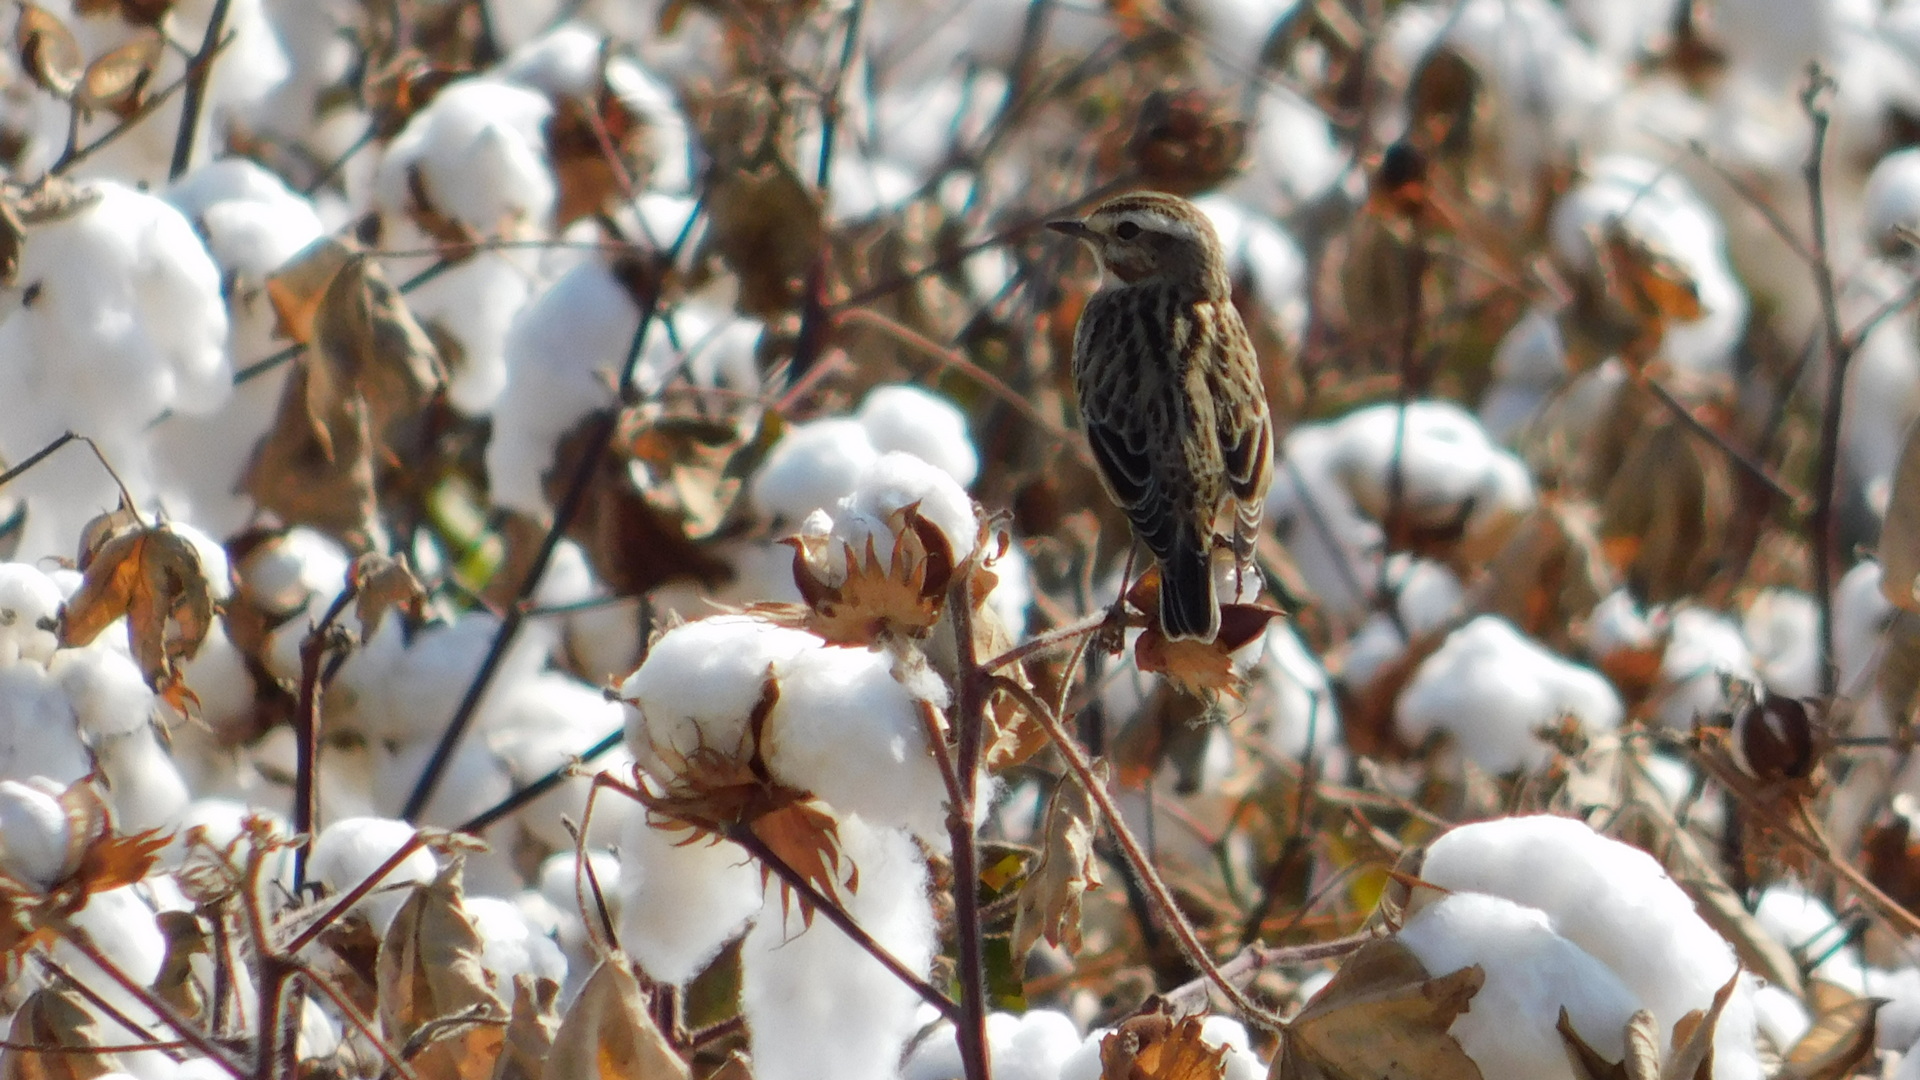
[506, 807]
[180, 1025]
[814, 321]
[1828, 463]
[971, 690]
[1191, 997]
[306, 725]
[198, 73]
[1747, 463]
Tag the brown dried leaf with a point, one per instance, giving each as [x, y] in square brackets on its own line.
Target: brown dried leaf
[1381, 1018]
[186, 938]
[138, 12]
[385, 584]
[1200, 668]
[1692, 1054]
[1588, 1063]
[1049, 904]
[320, 475]
[1155, 1047]
[609, 1034]
[153, 577]
[297, 287]
[1900, 533]
[118, 79]
[54, 1017]
[768, 228]
[530, 1030]
[429, 970]
[373, 347]
[1839, 1042]
[48, 51]
[1665, 516]
[1186, 142]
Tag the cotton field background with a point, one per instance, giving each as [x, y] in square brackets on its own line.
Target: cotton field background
[550, 539]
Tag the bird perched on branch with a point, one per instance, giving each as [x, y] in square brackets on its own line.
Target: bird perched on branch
[1170, 393]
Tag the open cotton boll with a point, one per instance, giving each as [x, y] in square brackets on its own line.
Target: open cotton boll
[1445, 463]
[1892, 199]
[415, 696]
[928, 426]
[1781, 627]
[1491, 689]
[34, 832]
[813, 466]
[1295, 158]
[479, 150]
[847, 731]
[1528, 364]
[1617, 624]
[110, 697]
[1703, 647]
[699, 687]
[511, 945]
[474, 781]
[1657, 206]
[1614, 902]
[893, 482]
[1336, 547]
[1779, 1016]
[1289, 692]
[1532, 974]
[1426, 595]
[562, 353]
[1882, 394]
[350, 850]
[543, 724]
[474, 303]
[680, 902]
[1030, 1046]
[29, 614]
[286, 573]
[39, 733]
[816, 1003]
[122, 926]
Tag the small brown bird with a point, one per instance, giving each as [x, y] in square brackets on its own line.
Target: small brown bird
[1170, 394]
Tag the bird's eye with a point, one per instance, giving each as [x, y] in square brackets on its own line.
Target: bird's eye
[1126, 230]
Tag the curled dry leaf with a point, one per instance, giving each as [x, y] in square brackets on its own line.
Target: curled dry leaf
[1155, 1046]
[153, 577]
[48, 51]
[531, 1028]
[383, 585]
[1841, 1040]
[55, 1018]
[176, 985]
[1382, 1017]
[768, 229]
[429, 971]
[868, 598]
[609, 1033]
[1200, 668]
[1186, 142]
[1049, 904]
[1664, 520]
[1550, 573]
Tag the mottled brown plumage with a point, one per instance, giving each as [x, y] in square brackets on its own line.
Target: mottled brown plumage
[1170, 394]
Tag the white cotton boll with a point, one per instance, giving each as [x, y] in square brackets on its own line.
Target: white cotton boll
[1261, 253]
[34, 832]
[847, 731]
[699, 687]
[1528, 364]
[110, 697]
[1800, 921]
[475, 302]
[287, 573]
[1781, 627]
[219, 677]
[1702, 648]
[253, 222]
[212, 555]
[812, 467]
[1240, 1062]
[1893, 199]
[1617, 904]
[29, 614]
[39, 734]
[350, 850]
[1426, 595]
[479, 150]
[122, 926]
[679, 903]
[1444, 461]
[1290, 693]
[541, 725]
[1335, 546]
[1030, 1046]
[894, 482]
[511, 945]
[1617, 624]
[1490, 689]
[1656, 205]
[1860, 614]
[1780, 1016]
[928, 426]
[1883, 381]
[143, 785]
[816, 1003]
[1532, 974]
[420, 691]
[566, 897]
[562, 354]
[1294, 157]
[1012, 595]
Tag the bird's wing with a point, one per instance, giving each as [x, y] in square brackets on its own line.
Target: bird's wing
[1128, 405]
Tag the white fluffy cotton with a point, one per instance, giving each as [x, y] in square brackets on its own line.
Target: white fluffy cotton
[351, 850]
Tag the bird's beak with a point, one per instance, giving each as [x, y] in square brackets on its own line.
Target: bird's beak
[1071, 227]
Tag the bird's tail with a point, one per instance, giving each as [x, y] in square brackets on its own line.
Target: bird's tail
[1188, 608]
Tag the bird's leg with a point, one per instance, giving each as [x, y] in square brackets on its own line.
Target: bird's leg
[1111, 636]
